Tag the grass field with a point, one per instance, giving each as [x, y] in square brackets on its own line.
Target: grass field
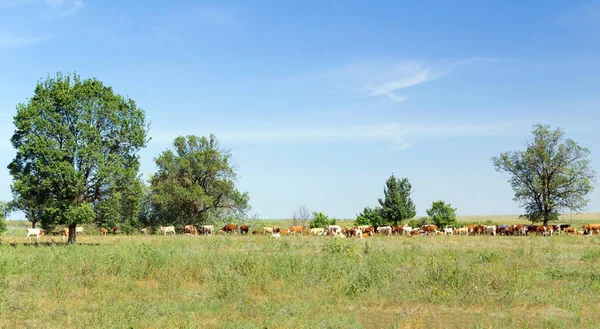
[301, 282]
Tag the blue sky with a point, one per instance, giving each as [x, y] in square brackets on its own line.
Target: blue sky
[320, 101]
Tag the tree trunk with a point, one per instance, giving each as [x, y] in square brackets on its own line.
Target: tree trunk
[72, 235]
[546, 219]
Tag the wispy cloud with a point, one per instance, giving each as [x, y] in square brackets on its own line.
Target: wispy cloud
[217, 17]
[387, 78]
[62, 8]
[396, 134]
[13, 41]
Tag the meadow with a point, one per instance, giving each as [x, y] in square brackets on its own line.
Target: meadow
[301, 282]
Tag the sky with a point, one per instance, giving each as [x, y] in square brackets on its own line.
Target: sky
[321, 101]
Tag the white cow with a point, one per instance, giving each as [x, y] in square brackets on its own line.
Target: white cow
[385, 230]
[34, 231]
[167, 229]
[317, 231]
[208, 229]
[491, 230]
[448, 230]
[333, 230]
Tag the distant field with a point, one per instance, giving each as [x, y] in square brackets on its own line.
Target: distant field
[302, 282]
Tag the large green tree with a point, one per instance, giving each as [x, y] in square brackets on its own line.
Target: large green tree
[551, 175]
[77, 143]
[195, 183]
[442, 214]
[397, 205]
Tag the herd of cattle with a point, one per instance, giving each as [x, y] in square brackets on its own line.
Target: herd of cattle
[364, 231]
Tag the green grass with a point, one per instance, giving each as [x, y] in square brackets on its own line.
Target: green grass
[302, 282]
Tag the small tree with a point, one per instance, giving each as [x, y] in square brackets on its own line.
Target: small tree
[321, 220]
[397, 204]
[302, 215]
[553, 174]
[370, 216]
[4, 210]
[442, 214]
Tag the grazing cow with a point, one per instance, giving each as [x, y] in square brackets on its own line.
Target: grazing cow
[491, 230]
[267, 230]
[144, 231]
[189, 229]
[385, 230]
[207, 229]
[462, 231]
[275, 235]
[448, 230]
[570, 230]
[502, 230]
[317, 231]
[333, 230]
[363, 227]
[591, 228]
[103, 231]
[167, 229]
[519, 229]
[306, 231]
[116, 230]
[355, 232]
[407, 230]
[285, 231]
[34, 231]
[369, 230]
[244, 229]
[230, 228]
[296, 230]
[429, 229]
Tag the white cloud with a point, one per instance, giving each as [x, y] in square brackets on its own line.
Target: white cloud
[217, 17]
[396, 134]
[407, 77]
[61, 8]
[9, 40]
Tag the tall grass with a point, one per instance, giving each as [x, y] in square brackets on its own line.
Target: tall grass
[302, 282]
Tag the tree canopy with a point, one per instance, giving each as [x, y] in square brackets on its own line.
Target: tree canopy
[77, 144]
[321, 220]
[442, 214]
[551, 175]
[370, 216]
[397, 205]
[195, 183]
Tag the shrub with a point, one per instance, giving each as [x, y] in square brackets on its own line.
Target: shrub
[321, 220]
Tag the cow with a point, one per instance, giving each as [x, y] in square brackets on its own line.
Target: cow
[491, 230]
[502, 230]
[167, 229]
[103, 231]
[116, 230]
[462, 231]
[448, 230]
[385, 230]
[244, 229]
[144, 231]
[570, 230]
[306, 231]
[267, 230]
[207, 229]
[429, 229]
[188, 229]
[285, 231]
[354, 232]
[296, 230]
[333, 230]
[591, 228]
[406, 230]
[368, 231]
[275, 235]
[34, 231]
[230, 228]
[317, 231]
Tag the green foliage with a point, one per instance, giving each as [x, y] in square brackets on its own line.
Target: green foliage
[195, 184]
[397, 204]
[77, 144]
[4, 210]
[552, 175]
[418, 222]
[370, 216]
[442, 214]
[321, 220]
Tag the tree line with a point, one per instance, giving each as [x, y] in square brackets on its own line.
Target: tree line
[77, 161]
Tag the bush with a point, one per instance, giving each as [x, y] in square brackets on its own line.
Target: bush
[321, 220]
[442, 214]
[370, 216]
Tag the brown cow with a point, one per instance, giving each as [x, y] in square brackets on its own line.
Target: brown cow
[429, 229]
[103, 230]
[244, 229]
[116, 230]
[296, 230]
[230, 228]
[591, 228]
[284, 231]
